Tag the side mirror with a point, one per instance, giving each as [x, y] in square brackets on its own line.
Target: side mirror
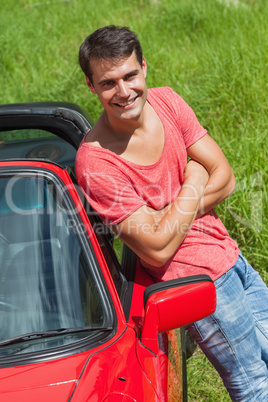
[176, 303]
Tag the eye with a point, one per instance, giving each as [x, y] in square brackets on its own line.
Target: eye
[131, 76]
[108, 83]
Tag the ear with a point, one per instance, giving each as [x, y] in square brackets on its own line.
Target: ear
[90, 85]
[144, 67]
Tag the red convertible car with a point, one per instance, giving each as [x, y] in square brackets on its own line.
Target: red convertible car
[77, 325]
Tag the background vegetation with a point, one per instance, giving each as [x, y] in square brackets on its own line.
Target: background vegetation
[212, 52]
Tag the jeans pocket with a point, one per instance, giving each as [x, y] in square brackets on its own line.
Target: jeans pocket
[221, 280]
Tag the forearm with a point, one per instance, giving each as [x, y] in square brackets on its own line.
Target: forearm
[171, 230]
[221, 185]
[155, 235]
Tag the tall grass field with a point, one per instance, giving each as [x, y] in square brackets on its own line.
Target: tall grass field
[212, 52]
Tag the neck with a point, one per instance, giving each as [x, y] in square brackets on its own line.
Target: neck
[120, 127]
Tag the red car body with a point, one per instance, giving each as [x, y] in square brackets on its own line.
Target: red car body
[107, 331]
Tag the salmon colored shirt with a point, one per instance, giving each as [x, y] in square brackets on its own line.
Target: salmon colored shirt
[116, 188]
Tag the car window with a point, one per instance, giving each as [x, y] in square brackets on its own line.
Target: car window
[36, 144]
[47, 280]
[106, 239]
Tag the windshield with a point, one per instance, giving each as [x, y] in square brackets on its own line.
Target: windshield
[46, 280]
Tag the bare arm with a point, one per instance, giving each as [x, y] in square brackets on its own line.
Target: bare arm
[221, 181]
[155, 235]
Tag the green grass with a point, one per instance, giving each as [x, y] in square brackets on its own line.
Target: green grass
[212, 52]
[207, 389]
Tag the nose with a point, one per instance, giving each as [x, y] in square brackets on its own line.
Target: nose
[122, 89]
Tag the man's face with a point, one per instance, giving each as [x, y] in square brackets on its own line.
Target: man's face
[120, 86]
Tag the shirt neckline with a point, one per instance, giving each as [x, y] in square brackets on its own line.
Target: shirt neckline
[150, 100]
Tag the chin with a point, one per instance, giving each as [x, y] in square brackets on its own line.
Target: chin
[130, 116]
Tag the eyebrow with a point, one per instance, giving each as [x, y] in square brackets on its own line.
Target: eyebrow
[133, 72]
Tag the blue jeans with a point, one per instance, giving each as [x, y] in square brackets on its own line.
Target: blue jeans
[235, 337]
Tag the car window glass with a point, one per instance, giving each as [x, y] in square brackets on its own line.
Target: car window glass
[46, 282]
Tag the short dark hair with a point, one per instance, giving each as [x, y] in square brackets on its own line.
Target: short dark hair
[109, 43]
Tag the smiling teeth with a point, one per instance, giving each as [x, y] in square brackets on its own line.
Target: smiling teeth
[126, 103]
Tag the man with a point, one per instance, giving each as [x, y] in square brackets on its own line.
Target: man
[133, 167]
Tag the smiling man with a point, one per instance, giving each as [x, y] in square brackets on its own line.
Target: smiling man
[133, 167]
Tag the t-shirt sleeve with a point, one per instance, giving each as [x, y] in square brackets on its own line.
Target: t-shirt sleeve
[107, 188]
[187, 122]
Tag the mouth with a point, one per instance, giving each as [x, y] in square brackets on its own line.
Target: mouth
[127, 103]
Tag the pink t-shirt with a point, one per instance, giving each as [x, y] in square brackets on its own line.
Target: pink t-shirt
[116, 188]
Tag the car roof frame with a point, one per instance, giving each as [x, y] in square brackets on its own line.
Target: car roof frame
[66, 120]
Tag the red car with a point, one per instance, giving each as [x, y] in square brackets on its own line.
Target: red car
[77, 325]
